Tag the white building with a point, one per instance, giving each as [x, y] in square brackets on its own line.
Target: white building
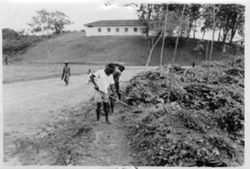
[114, 28]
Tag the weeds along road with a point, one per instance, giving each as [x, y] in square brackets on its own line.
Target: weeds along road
[32, 104]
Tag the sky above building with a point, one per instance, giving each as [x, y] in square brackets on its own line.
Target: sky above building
[16, 15]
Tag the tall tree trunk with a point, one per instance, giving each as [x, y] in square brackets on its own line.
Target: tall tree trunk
[219, 34]
[175, 51]
[164, 35]
[203, 35]
[178, 35]
[212, 43]
[162, 49]
[224, 47]
[189, 28]
[233, 31]
[194, 29]
[151, 50]
[207, 48]
[224, 40]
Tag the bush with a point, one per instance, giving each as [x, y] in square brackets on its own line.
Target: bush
[14, 43]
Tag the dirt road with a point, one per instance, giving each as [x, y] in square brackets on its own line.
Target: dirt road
[31, 105]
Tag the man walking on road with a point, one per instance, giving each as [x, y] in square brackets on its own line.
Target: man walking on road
[66, 73]
[103, 82]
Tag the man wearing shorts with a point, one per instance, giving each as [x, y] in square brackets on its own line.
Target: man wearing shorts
[103, 81]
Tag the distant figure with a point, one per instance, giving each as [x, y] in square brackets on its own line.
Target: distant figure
[6, 60]
[66, 73]
[89, 71]
[193, 64]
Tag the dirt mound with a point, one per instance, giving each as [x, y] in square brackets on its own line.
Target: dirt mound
[203, 125]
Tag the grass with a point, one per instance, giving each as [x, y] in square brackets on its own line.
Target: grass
[75, 47]
[46, 58]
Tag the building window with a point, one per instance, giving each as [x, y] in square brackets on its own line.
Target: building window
[135, 29]
[108, 29]
[117, 29]
[99, 29]
[126, 29]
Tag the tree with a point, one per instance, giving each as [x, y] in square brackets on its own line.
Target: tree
[229, 18]
[193, 11]
[241, 30]
[49, 22]
[156, 22]
[163, 39]
[178, 33]
[212, 42]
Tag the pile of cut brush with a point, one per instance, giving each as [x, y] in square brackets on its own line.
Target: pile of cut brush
[201, 122]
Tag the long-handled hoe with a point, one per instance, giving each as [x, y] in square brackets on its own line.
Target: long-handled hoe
[131, 108]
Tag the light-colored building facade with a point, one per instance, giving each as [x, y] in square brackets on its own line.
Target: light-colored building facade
[114, 28]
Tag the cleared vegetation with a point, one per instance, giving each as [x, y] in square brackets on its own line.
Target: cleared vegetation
[203, 125]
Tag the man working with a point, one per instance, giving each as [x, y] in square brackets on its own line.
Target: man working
[102, 82]
[116, 76]
[66, 73]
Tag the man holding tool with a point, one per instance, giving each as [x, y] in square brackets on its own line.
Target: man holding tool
[119, 68]
[102, 82]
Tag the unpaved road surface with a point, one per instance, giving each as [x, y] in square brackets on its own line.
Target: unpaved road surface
[30, 105]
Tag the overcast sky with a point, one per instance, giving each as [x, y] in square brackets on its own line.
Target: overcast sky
[17, 14]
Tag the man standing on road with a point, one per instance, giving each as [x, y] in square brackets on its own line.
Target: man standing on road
[103, 83]
[119, 68]
[66, 73]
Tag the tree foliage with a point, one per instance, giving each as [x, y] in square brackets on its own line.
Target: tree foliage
[49, 22]
[230, 18]
[153, 17]
[161, 20]
[194, 13]
[14, 43]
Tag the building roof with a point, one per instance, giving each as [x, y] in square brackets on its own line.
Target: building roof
[104, 23]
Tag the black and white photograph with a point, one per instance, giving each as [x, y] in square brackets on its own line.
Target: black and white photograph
[123, 84]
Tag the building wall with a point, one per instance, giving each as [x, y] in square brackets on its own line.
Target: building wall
[93, 31]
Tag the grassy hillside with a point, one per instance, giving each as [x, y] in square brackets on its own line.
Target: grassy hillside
[74, 47]
[16, 44]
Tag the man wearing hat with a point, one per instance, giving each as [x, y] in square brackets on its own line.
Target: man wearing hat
[66, 73]
[103, 83]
